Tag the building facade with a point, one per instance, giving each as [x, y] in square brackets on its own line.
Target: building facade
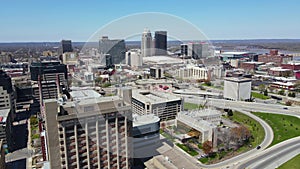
[237, 88]
[2, 156]
[90, 133]
[146, 44]
[198, 50]
[134, 58]
[276, 58]
[6, 129]
[193, 72]
[156, 72]
[145, 135]
[114, 47]
[160, 43]
[66, 46]
[163, 105]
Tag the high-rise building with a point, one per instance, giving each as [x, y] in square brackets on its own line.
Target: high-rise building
[114, 47]
[146, 45]
[6, 128]
[160, 42]
[89, 133]
[66, 46]
[184, 50]
[2, 156]
[49, 77]
[7, 99]
[198, 50]
[7, 110]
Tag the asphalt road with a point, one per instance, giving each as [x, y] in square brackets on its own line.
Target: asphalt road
[274, 156]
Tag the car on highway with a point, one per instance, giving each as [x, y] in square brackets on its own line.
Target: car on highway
[285, 108]
[258, 147]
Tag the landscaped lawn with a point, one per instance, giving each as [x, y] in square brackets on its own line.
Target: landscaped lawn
[255, 128]
[293, 163]
[259, 96]
[166, 135]
[191, 106]
[284, 126]
[187, 149]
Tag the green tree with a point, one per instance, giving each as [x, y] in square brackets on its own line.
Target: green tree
[261, 88]
[281, 92]
[266, 92]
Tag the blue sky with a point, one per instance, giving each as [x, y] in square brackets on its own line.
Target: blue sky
[35, 20]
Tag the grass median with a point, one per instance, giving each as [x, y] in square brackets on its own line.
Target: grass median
[259, 96]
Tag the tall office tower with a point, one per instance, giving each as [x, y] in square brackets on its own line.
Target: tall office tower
[146, 45]
[198, 50]
[66, 46]
[115, 48]
[160, 42]
[89, 133]
[7, 110]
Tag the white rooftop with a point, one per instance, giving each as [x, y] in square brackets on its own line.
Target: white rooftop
[84, 94]
[144, 119]
[153, 97]
[234, 53]
[161, 60]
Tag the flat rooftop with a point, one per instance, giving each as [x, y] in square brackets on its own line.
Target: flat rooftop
[202, 113]
[84, 94]
[153, 97]
[144, 119]
[238, 80]
[234, 53]
[161, 60]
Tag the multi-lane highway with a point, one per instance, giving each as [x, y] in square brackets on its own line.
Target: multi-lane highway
[273, 157]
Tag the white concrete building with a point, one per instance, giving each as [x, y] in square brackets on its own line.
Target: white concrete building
[237, 88]
[202, 121]
[164, 105]
[134, 58]
[192, 72]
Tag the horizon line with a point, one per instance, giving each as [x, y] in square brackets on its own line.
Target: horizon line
[242, 39]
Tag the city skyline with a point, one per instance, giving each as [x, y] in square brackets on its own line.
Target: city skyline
[226, 20]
